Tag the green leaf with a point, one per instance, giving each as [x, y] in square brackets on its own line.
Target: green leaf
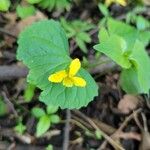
[25, 11]
[129, 33]
[49, 147]
[84, 36]
[98, 134]
[142, 23]
[115, 48]
[63, 4]
[70, 31]
[29, 92]
[3, 107]
[50, 4]
[33, 1]
[20, 128]
[43, 47]
[129, 81]
[54, 119]
[104, 10]
[47, 32]
[55, 4]
[103, 35]
[141, 61]
[4, 5]
[51, 109]
[81, 44]
[38, 112]
[43, 125]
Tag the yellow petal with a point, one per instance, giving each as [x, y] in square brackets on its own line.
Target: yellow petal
[79, 81]
[74, 67]
[108, 2]
[58, 76]
[122, 2]
[67, 82]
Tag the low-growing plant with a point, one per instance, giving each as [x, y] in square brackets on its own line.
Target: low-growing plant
[105, 12]
[49, 147]
[133, 17]
[125, 45]
[46, 118]
[4, 5]
[25, 11]
[29, 92]
[3, 107]
[20, 127]
[44, 48]
[59, 5]
[78, 30]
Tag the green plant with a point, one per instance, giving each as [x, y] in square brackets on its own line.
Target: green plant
[25, 11]
[44, 48]
[20, 127]
[29, 92]
[134, 18]
[78, 29]
[46, 119]
[49, 147]
[125, 45]
[3, 107]
[105, 12]
[4, 5]
[52, 4]
[33, 1]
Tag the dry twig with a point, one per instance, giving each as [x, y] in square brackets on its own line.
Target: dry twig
[67, 130]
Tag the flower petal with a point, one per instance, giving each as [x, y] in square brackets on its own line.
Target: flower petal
[68, 82]
[122, 2]
[58, 76]
[74, 67]
[108, 2]
[79, 81]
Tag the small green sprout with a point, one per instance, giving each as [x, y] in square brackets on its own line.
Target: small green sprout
[20, 127]
[59, 5]
[134, 18]
[3, 107]
[29, 92]
[78, 30]
[4, 5]
[25, 11]
[45, 118]
[49, 147]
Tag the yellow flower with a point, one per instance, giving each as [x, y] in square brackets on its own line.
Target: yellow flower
[121, 2]
[67, 77]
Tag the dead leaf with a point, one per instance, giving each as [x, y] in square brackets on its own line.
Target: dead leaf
[145, 143]
[15, 27]
[129, 103]
[28, 21]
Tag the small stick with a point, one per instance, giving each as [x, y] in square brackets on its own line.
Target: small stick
[10, 104]
[12, 72]
[130, 117]
[66, 131]
[144, 122]
[109, 139]
[123, 125]
[8, 33]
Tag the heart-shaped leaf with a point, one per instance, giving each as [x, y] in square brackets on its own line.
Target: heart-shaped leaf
[114, 47]
[43, 47]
